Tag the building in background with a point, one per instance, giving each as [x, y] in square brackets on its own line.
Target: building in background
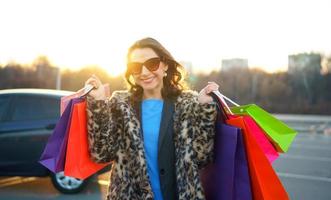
[307, 62]
[187, 66]
[45, 69]
[327, 64]
[306, 68]
[190, 76]
[235, 63]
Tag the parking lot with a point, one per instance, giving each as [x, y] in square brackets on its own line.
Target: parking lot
[31, 188]
[305, 171]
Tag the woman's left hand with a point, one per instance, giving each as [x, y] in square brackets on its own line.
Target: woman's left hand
[203, 95]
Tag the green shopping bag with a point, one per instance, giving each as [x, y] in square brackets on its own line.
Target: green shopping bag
[278, 132]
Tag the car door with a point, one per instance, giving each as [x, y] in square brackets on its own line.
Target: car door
[5, 146]
[24, 135]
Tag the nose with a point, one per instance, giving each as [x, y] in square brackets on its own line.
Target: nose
[144, 70]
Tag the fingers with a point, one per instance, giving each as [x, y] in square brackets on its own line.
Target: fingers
[94, 81]
[211, 86]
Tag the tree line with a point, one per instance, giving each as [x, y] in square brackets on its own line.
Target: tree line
[276, 92]
[282, 92]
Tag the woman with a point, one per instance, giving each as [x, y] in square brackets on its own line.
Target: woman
[157, 135]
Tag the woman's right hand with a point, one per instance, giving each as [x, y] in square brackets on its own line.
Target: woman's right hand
[98, 93]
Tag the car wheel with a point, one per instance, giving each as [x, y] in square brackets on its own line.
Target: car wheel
[67, 184]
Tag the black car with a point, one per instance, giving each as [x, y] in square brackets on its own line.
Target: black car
[27, 119]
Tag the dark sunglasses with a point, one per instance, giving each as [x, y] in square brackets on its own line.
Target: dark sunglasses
[151, 64]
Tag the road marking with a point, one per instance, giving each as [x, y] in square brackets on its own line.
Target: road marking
[323, 159]
[9, 179]
[309, 140]
[305, 177]
[15, 181]
[317, 136]
[315, 147]
[103, 182]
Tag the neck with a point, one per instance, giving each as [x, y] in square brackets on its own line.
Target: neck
[152, 94]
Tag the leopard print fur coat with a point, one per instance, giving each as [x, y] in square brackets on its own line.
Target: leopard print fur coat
[114, 135]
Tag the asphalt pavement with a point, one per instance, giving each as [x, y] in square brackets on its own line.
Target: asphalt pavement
[305, 170]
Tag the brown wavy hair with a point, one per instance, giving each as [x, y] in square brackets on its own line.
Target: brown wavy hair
[173, 83]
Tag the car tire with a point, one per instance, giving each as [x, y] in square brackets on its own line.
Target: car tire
[66, 184]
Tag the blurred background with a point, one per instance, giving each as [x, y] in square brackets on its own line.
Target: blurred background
[276, 54]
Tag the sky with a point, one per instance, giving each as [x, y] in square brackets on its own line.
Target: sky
[78, 33]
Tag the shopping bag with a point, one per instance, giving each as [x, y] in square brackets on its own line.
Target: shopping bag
[80, 93]
[278, 132]
[78, 163]
[53, 156]
[227, 177]
[261, 139]
[265, 183]
[256, 131]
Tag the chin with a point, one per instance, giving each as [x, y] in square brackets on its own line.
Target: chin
[149, 87]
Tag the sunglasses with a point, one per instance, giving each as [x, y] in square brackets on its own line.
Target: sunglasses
[151, 64]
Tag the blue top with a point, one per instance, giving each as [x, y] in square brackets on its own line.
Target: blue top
[151, 120]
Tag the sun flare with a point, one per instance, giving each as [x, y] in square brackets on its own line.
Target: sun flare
[74, 34]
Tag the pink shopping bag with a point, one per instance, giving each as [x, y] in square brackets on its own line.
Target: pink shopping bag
[261, 139]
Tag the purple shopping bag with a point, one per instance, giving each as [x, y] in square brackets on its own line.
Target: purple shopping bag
[53, 156]
[227, 177]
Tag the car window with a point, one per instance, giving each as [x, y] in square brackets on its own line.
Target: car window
[36, 107]
[4, 105]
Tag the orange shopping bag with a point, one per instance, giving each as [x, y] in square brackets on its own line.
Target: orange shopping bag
[78, 163]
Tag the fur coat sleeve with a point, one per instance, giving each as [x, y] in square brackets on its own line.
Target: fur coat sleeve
[105, 125]
[202, 117]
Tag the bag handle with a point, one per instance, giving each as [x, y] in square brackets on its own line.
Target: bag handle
[222, 102]
[227, 98]
[221, 114]
[85, 90]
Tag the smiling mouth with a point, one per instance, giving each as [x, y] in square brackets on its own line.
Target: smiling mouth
[147, 80]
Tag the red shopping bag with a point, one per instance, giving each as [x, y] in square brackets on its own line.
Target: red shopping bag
[264, 180]
[78, 163]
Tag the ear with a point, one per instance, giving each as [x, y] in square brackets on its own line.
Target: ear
[165, 67]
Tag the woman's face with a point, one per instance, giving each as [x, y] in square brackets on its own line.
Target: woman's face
[151, 80]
